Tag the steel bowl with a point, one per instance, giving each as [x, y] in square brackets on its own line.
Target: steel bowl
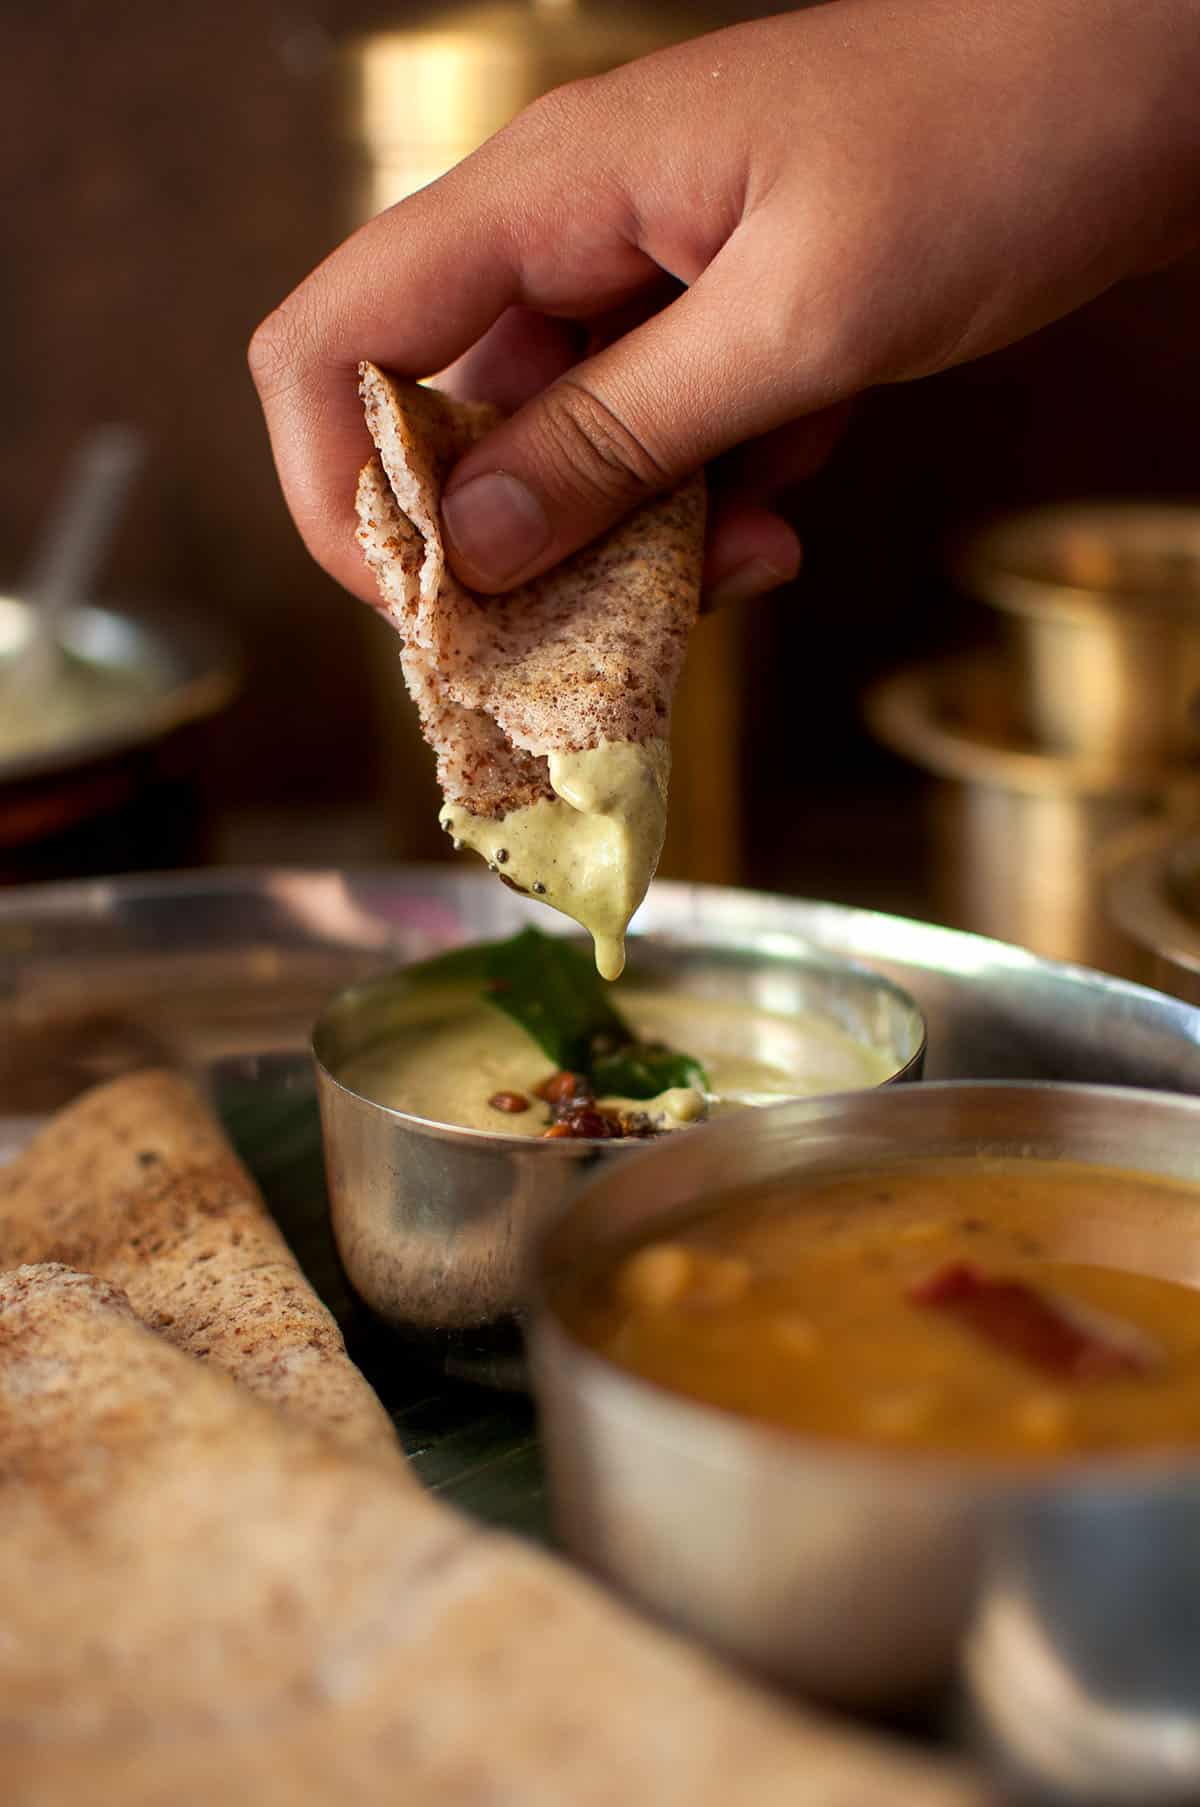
[1067, 1602]
[117, 769]
[1101, 602]
[433, 1221]
[185, 668]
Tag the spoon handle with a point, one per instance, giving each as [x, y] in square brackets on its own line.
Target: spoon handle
[75, 536]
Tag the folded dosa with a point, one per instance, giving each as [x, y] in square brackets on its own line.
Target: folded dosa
[136, 1183]
[205, 1602]
[549, 707]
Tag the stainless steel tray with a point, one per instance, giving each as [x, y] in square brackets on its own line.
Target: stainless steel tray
[223, 972]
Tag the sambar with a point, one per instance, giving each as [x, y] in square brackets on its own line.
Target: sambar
[969, 1306]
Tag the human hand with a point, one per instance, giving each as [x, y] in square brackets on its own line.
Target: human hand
[707, 254]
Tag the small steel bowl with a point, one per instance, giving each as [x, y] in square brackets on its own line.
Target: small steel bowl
[185, 668]
[116, 774]
[433, 1222]
[1067, 1601]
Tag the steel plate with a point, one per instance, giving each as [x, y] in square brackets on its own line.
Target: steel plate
[222, 973]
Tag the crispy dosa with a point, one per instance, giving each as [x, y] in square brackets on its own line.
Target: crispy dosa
[136, 1183]
[555, 697]
[590, 652]
[205, 1602]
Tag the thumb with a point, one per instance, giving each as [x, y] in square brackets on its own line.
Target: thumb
[621, 426]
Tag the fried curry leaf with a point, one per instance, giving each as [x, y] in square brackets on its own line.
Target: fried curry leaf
[643, 1070]
[557, 996]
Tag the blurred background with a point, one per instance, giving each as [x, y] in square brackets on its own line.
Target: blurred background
[178, 170]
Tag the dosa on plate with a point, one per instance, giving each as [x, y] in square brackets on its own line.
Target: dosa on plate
[136, 1183]
[206, 1602]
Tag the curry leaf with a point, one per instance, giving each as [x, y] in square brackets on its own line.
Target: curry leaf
[641, 1070]
[555, 993]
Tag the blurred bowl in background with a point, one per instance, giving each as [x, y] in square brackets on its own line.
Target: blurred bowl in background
[1101, 602]
[1020, 834]
[132, 684]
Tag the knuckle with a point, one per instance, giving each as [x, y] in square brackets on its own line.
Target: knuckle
[276, 353]
[814, 339]
[555, 116]
[820, 332]
[596, 453]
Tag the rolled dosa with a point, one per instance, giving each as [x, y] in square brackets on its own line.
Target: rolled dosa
[136, 1183]
[205, 1602]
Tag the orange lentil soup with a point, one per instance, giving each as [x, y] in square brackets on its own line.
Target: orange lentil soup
[1012, 1309]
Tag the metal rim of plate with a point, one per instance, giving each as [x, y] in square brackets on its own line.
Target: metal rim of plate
[272, 944]
[222, 973]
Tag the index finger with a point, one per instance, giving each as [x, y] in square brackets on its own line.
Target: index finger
[412, 290]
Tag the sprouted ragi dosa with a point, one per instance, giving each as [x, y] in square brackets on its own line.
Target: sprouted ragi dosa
[548, 708]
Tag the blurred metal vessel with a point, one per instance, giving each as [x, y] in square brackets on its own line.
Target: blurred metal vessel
[418, 98]
[1101, 603]
[414, 101]
[158, 674]
[1152, 899]
[1020, 834]
[1067, 1599]
[433, 1222]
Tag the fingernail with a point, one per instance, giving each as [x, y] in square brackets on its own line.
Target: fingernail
[752, 579]
[496, 525]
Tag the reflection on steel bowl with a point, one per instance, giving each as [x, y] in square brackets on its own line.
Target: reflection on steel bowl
[433, 1219]
[867, 1574]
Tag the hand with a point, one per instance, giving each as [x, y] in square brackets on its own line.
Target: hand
[707, 254]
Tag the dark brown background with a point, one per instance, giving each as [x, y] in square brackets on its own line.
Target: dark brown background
[172, 171]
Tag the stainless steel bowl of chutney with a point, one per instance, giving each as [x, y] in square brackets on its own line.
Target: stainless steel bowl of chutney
[433, 1219]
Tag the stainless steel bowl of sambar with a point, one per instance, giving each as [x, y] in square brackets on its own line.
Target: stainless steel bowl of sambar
[1065, 1599]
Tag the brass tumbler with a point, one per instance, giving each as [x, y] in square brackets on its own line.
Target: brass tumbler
[419, 98]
